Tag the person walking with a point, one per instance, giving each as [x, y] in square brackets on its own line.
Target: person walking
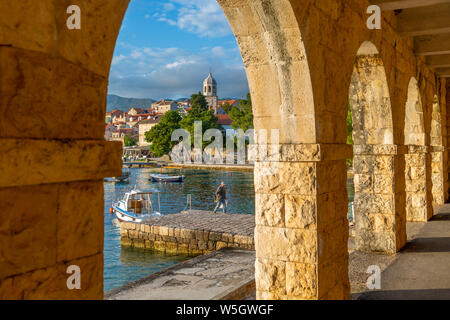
[221, 197]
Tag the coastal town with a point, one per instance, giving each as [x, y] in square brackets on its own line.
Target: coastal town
[313, 165]
[130, 126]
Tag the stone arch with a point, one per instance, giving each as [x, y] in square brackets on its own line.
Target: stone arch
[370, 99]
[437, 154]
[270, 42]
[293, 193]
[414, 123]
[417, 208]
[376, 221]
[52, 163]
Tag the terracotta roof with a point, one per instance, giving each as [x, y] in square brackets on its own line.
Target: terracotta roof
[156, 119]
[163, 102]
[224, 119]
[115, 111]
[124, 130]
[138, 110]
[143, 115]
[230, 102]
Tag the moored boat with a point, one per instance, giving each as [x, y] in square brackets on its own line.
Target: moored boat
[166, 178]
[136, 206]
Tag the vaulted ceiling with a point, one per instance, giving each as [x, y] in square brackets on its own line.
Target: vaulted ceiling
[428, 22]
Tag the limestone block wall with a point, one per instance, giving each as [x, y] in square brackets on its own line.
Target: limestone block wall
[447, 140]
[53, 156]
[378, 225]
[53, 84]
[301, 224]
[437, 175]
[179, 240]
[417, 206]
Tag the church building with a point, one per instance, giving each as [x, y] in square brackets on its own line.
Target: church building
[210, 92]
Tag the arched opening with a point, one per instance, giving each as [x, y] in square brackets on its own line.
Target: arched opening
[417, 208]
[437, 155]
[301, 231]
[376, 222]
[163, 78]
[57, 165]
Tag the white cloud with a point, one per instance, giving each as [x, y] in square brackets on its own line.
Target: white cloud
[202, 17]
[169, 6]
[169, 21]
[219, 51]
[174, 73]
[179, 63]
[118, 58]
[136, 54]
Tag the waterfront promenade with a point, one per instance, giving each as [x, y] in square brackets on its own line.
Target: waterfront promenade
[191, 232]
[227, 274]
[419, 271]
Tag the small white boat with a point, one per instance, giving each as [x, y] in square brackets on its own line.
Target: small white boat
[136, 206]
[166, 178]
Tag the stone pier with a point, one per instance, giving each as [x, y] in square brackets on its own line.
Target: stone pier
[193, 232]
[417, 207]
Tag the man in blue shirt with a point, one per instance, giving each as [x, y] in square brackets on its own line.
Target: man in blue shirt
[221, 197]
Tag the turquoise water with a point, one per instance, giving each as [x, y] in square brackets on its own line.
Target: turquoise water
[122, 265]
[125, 265]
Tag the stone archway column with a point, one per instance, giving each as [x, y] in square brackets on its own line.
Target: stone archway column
[301, 229]
[437, 175]
[417, 206]
[380, 224]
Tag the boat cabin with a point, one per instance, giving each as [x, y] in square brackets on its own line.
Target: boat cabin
[137, 202]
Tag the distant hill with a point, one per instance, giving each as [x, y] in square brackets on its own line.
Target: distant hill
[124, 104]
[116, 102]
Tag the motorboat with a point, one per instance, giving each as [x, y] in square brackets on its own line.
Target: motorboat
[136, 206]
[166, 178]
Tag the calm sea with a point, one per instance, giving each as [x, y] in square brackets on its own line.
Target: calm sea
[125, 265]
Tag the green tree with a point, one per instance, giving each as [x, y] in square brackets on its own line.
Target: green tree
[160, 136]
[199, 112]
[242, 116]
[198, 101]
[349, 132]
[128, 141]
[226, 107]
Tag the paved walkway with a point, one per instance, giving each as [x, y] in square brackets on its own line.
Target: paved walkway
[225, 274]
[422, 269]
[239, 224]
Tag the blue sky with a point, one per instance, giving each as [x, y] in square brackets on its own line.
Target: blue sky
[166, 48]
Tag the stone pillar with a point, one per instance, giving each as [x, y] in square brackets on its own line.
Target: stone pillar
[417, 206]
[437, 175]
[301, 229]
[53, 155]
[378, 207]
